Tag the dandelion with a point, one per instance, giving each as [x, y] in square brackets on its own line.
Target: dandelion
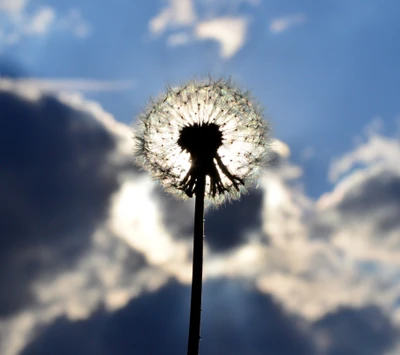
[203, 128]
[206, 139]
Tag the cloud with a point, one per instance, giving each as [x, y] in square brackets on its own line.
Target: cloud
[13, 6]
[22, 24]
[40, 22]
[51, 166]
[365, 200]
[313, 256]
[178, 39]
[231, 226]
[178, 13]
[150, 236]
[19, 23]
[227, 228]
[346, 249]
[75, 23]
[231, 305]
[157, 322]
[154, 322]
[65, 85]
[176, 215]
[62, 160]
[307, 153]
[184, 25]
[230, 32]
[98, 236]
[284, 23]
[364, 331]
[379, 151]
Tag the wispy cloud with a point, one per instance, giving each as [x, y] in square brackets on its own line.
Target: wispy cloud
[19, 23]
[178, 39]
[282, 24]
[69, 85]
[75, 23]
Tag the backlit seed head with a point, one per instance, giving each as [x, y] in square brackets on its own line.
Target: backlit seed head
[203, 128]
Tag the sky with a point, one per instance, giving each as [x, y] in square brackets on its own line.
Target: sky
[95, 258]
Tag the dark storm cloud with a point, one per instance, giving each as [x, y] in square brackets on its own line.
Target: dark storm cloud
[151, 324]
[176, 214]
[54, 186]
[364, 331]
[236, 321]
[240, 320]
[225, 228]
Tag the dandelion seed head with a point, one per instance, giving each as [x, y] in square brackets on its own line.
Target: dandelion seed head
[203, 128]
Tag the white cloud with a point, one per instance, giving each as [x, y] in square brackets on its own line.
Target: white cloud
[230, 32]
[282, 24]
[177, 14]
[378, 150]
[344, 249]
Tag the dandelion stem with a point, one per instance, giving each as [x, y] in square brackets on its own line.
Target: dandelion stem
[197, 271]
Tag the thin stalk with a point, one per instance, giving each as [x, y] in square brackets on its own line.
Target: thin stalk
[197, 270]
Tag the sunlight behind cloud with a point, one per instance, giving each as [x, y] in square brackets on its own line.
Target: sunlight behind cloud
[135, 218]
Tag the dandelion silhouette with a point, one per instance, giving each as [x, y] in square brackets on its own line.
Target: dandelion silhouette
[207, 139]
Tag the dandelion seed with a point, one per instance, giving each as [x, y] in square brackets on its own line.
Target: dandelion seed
[203, 128]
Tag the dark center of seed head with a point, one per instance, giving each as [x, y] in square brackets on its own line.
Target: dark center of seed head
[201, 141]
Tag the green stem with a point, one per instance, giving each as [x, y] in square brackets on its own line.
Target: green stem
[197, 271]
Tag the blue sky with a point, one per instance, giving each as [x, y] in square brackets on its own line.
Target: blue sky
[322, 71]
[322, 246]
